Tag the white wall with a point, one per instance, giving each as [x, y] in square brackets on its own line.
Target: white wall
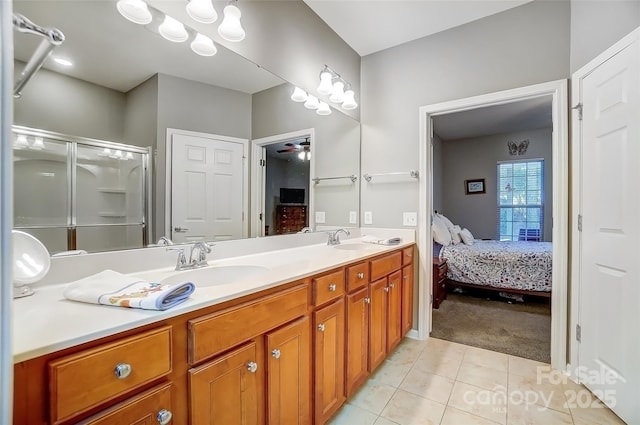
[477, 158]
[521, 46]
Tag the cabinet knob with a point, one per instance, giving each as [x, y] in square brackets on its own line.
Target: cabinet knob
[122, 370]
[386, 289]
[332, 287]
[164, 417]
[275, 353]
[367, 300]
[360, 275]
[409, 255]
[321, 327]
[252, 367]
[406, 277]
[392, 285]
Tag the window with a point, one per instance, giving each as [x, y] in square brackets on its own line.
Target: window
[520, 199]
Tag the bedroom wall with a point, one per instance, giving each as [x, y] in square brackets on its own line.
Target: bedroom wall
[477, 158]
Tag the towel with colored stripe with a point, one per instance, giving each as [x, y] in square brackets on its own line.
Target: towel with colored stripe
[116, 289]
[381, 241]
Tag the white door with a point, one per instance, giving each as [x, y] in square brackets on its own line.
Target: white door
[207, 189]
[609, 303]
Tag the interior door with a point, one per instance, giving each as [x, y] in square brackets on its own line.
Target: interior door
[207, 189]
[609, 346]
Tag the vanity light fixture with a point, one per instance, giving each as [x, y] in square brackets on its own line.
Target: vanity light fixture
[21, 142]
[135, 11]
[323, 109]
[337, 95]
[312, 102]
[349, 100]
[326, 86]
[299, 95]
[231, 29]
[203, 46]
[173, 30]
[38, 144]
[202, 11]
[332, 84]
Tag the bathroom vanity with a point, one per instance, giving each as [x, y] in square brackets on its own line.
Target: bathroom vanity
[285, 347]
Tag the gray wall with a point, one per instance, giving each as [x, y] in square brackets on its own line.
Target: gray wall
[477, 158]
[596, 25]
[521, 46]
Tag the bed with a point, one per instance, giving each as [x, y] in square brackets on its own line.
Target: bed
[519, 267]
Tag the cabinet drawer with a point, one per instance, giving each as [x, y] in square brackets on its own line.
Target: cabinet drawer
[217, 332]
[328, 287]
[407, 256]
[357, 276]
[86, 379]
[381, 267]
[442, 271]
[145, 408]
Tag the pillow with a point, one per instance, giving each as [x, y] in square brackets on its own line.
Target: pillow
[446, 221]
[455, 235]
[440, 232]
[466, 237]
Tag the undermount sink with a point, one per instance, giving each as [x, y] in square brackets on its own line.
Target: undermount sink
[354, 246]
[215, 276]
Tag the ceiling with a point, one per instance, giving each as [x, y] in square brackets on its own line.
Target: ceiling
[507, 118]
[272, 150]
[110, 51]
[369, 26]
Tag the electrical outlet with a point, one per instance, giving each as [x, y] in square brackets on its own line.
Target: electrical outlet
[409, 219]
[320, 217]
[353, 217]
[368, 217]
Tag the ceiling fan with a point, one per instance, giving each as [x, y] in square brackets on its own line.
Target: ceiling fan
[303, 146]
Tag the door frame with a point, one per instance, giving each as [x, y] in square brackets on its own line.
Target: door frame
[169, 161]
[560, 210]
[258, 180]
[576, 194]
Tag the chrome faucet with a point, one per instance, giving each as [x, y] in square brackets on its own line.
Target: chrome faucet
[197, 256]
[334, 237]
[164, 241]
[305, 230]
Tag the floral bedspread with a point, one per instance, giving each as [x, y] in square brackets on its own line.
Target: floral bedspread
[516, 265]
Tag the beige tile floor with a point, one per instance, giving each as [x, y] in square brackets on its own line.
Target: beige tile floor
[441, 382]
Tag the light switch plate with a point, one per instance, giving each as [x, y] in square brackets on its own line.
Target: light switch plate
[409, 219]
[353, 217]
[320, 217]
[368, 217]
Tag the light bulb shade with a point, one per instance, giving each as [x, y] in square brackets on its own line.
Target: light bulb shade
[173, 30]
[337, 95]
[301, 155]
[38, 144]
[135, 11]
[21, 142]
[323, 109]
[325, 87]
[202, 11]
[308, 155]
[203, 46]
[118, 154]
[299, 95]
[349, 100]
[230, 29]
[312, 102]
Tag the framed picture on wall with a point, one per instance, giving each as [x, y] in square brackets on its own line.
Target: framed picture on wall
[473, 187]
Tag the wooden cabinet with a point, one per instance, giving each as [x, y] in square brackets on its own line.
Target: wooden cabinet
[228, 390]
[394, 315]
[289, 374]
[377, 322]
[439, 281]
[407, 298]
[357, 353]
[328, 351]
[290, 218]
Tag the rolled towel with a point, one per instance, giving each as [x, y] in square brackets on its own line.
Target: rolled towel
[387, 241]
[116, 289]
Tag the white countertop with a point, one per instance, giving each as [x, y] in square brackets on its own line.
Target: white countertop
[47, 322]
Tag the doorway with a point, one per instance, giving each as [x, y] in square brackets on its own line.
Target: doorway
[281, 189]
[558, 92]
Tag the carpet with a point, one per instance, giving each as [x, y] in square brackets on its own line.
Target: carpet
[481, 319]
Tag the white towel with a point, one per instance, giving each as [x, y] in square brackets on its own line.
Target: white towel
[116, 289]
[379, 241]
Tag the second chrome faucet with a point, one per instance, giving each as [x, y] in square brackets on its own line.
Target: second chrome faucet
[197, 255]
[334, 236]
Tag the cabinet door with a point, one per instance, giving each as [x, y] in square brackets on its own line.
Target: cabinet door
[329, 360]
[394, 321]
[407, 299]
[357, 368]
[229, 389]
[289, 374]
[377, 323]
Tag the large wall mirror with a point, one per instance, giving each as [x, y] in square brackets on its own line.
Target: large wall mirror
[127, 85]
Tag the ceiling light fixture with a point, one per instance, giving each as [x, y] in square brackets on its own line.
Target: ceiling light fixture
[231, 29]
[299, 95]
[135, 11]
[173, 30]
[202, 11]
[203, 46]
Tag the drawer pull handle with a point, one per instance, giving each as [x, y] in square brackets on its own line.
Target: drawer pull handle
[252, 367]
[360, 275]
[332, 287]
[392, 285]
[164, 417]
[367, 300]
[321, 327]
[386, 289]
[122, 370]
[275, 353]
